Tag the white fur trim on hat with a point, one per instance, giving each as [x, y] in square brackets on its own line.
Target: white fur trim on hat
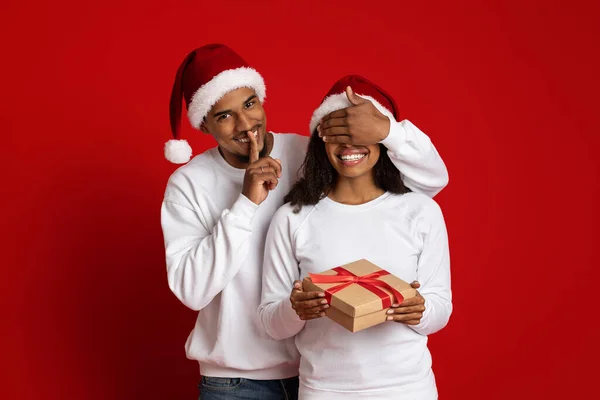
[178, 151]
[339, 101]
[211, 92]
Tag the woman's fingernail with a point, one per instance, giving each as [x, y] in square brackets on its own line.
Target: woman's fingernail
[323, 301]
[389, 318]
[390, 311]
[395, 305]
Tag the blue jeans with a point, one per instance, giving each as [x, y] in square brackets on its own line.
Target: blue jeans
[213, 388]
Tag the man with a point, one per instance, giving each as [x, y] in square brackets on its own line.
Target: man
[217, 210]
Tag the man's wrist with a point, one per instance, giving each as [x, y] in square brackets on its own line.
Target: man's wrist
[384, 131]
[396, 136]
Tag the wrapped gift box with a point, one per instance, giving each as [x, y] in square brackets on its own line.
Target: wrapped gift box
[359, 293]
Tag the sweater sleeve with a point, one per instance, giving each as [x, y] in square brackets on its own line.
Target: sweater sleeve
[201, 261]
[280, 270]
[415, 156]
[433, 271]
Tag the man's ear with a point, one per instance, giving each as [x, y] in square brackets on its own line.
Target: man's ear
[203, 127]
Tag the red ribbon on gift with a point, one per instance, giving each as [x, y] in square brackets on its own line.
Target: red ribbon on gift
[370, 282]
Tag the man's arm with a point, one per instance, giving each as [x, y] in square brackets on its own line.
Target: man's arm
[201, 262]
[415, 156]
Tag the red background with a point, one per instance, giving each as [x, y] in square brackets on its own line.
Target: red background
[507, 91]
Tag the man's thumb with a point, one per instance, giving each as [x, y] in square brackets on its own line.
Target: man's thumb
[353, 97]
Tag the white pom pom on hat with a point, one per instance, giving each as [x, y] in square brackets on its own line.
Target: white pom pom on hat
[178, 151]
[203, 78]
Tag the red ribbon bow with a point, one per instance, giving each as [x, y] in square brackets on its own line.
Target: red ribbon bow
[370, 282]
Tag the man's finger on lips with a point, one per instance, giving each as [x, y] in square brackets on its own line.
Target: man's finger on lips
[404, 317]
[254, 153]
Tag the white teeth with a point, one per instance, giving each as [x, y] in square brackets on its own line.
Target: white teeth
[352, 157]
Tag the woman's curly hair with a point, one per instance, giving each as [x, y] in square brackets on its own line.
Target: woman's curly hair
[318, 176]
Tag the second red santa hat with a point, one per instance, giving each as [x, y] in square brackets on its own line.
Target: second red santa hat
[336, 99]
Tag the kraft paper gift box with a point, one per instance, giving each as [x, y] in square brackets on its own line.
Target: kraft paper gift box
[359, 293]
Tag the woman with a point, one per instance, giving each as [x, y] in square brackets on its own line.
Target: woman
[351, 204]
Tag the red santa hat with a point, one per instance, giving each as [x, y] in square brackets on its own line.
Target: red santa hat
[336, 99]
[203, 78]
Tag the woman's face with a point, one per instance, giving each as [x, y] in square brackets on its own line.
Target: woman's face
[352, 161]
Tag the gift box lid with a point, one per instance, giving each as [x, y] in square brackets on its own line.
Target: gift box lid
[356, 300]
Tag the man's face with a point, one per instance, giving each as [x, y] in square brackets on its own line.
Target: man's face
[231, 119]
